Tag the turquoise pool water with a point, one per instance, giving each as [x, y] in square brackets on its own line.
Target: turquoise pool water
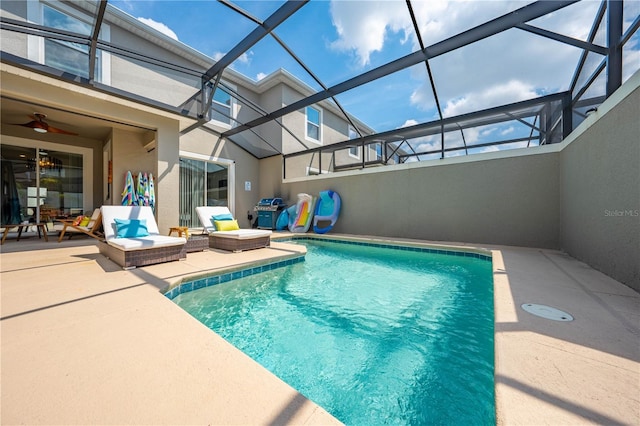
[373, 335]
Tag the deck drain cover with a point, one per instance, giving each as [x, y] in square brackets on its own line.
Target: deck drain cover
[547, 312]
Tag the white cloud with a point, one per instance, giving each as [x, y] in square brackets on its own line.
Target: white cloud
[260, 76]
[244, 59]
[159, 26]
[486, 131]
[511, 91]
[363, 26]
[507, 131]
[409, 122]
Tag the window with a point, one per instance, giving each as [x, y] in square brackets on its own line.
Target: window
[64, 55]
[379, 151]
[314, 121]
[203, 182]
[354, 151]
[222, 107]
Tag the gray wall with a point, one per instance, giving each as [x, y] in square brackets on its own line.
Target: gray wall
[511, 201]
[600, 193]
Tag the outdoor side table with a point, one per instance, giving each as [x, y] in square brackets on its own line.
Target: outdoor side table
[39, 226]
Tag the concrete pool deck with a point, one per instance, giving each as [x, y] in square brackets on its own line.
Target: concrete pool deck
[85, 342]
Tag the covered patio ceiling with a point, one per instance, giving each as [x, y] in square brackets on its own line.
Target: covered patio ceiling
[439, 65]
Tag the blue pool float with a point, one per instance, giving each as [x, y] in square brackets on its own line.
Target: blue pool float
[327, 210]
[283, 220]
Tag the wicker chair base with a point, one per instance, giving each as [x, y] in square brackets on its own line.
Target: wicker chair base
[236, 245]
[133, 258]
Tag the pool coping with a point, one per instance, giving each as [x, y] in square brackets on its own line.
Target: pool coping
[198, 281]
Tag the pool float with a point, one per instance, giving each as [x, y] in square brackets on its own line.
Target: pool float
[327, 210]
[283, 220]
[301, 214]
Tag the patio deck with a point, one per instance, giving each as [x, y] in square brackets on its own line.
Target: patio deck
[85, 342]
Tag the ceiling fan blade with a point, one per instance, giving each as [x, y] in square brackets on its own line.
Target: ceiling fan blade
[52, 129]
[42, 126]
[35, 124]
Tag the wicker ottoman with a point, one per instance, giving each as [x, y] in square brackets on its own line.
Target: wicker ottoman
[196, 243]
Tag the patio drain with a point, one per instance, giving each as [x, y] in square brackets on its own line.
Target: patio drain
[547, 312]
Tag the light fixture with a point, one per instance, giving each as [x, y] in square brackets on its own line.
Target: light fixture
[45, 162]
[39, 127]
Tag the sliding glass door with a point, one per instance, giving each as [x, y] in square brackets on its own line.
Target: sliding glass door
[202, 183]
[40, 185]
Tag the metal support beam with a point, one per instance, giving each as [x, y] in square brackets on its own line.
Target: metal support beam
[531, 132]
[567, 116]
[278, 17]
[526, 123]
[42, 31]
[595, 74]
[592, 36]
[614, 36]
[564, 39]
[459, 148]
[488, 29]
[631, 29]
[416, 28]
[94, 39]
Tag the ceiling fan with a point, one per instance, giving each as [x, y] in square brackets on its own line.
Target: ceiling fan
[39, 125]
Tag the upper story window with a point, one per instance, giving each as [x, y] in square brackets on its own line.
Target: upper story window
[354, 151]
[314, 124]
[64, 55]
[379, 151]
[221, 107]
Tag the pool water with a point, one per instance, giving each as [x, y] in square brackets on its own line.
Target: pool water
[373, 335]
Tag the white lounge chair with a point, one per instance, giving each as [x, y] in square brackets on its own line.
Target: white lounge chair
[129, 244]
[236, 240]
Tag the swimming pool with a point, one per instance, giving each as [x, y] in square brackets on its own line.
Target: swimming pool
[374, 335]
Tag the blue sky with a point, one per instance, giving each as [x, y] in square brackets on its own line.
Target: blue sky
[340, 39]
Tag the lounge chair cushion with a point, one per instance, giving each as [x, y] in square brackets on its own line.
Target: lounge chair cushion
[242, 234]
[141, 243]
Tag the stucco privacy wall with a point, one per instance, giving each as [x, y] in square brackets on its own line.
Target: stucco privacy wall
[582, 195]
[600, 189]
[485, 198]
